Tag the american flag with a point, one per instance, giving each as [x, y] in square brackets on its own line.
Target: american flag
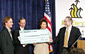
[47, 16]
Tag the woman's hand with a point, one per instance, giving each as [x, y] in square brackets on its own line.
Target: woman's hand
[50, 39]
[34, 44]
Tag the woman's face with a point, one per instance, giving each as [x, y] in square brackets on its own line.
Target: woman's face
[9, 23]
[43, 25]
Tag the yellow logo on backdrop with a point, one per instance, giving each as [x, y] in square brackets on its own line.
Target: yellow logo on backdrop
[75, 11]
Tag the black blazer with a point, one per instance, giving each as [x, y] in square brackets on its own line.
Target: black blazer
[74, 35]
[6, 44]
[19, 49]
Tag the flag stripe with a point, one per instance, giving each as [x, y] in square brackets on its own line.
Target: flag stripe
[47, 16]
[49, 26]
[48, 21]
[49, 29]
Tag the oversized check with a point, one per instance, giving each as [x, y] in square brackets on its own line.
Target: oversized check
[33, 36]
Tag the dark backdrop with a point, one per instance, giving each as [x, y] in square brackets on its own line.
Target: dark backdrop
[32, 10]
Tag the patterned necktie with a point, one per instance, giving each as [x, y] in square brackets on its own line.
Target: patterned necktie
[66, 39]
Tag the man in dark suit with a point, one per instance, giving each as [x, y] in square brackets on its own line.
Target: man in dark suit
[67, 36]
[20, 48]
[6, 41]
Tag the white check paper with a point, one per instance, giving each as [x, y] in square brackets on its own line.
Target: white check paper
[33, 36]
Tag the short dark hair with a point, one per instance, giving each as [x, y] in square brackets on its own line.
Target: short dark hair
[22, 19]
[5, 20]
[69, 18]
[43, 20]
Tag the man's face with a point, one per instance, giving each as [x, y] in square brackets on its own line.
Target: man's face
[67, 22]
[9, 23]
[22, 23]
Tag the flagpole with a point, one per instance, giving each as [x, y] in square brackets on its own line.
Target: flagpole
[45, 1]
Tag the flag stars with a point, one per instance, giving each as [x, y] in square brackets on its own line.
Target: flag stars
[45, 7]
[47, 2]
[48, 7]
[49, 13]
[46, 10]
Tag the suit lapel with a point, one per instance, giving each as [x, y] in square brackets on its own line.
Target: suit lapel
[71, 36]
[19, 28]
[8, 33]
[64, 31]
[64, 34]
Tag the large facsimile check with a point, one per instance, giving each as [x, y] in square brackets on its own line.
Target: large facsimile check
[33, 36]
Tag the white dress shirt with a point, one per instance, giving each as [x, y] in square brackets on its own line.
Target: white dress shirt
[69, 30]
[22, 29]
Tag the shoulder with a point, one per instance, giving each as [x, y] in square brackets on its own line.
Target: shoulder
[4, 30]
[62, 28]
[75, 28]
[17, 29]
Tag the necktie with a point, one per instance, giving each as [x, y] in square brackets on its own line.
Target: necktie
[10, 35]
[66, 39]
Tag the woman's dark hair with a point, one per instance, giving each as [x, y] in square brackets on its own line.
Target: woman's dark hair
[43, 20]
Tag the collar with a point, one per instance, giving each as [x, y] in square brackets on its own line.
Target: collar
[69, 28]
[21, 28]
[8, 29]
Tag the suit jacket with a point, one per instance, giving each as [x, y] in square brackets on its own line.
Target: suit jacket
[6, 44]
[74, 35]
[19, 49]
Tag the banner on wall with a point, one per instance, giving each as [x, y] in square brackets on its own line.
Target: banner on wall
[73, 8]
